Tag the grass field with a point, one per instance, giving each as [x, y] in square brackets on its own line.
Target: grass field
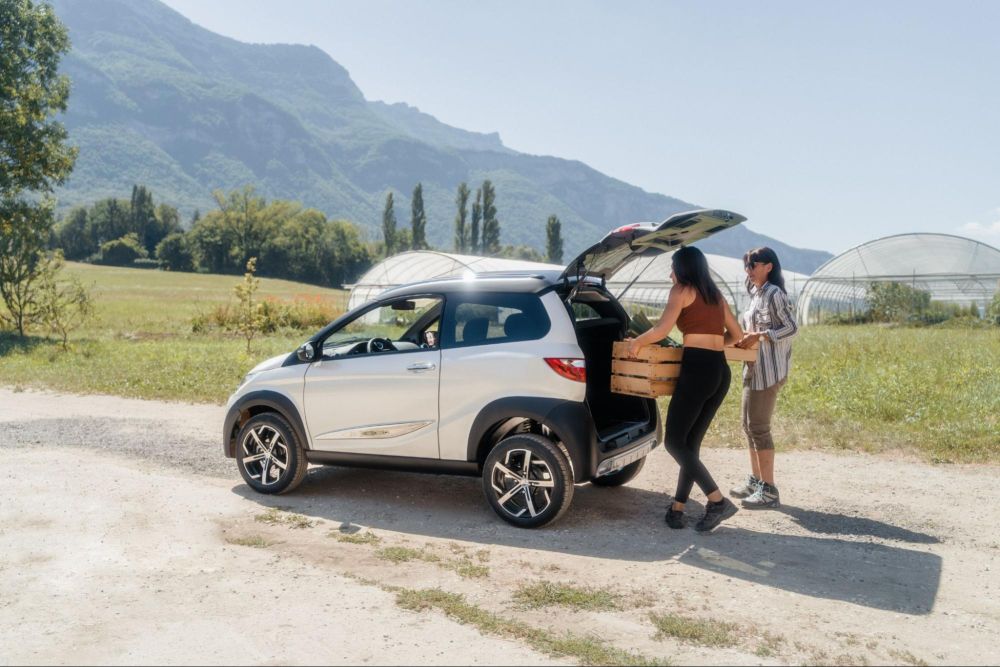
[930, 391]
[140, 342]
[935, 391]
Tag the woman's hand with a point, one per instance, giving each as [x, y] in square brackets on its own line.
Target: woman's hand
[749, 339]
[633, 347]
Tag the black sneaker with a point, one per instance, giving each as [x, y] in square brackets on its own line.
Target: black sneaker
[746, 488]
[716, 513]
[765, 497]
[675, 518]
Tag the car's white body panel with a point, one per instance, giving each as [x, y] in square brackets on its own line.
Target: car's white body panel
[374, 404]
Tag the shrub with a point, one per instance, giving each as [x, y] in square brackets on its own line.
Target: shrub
[123, 251]
[174, 254]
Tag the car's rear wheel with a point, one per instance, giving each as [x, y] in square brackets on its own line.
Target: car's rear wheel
[623, 476]
[269, 455]
[527, 480]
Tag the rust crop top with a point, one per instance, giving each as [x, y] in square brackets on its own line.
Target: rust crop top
[702, 318]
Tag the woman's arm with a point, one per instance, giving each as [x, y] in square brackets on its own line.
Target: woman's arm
[675, 302]
[734, 332]
[782, 317]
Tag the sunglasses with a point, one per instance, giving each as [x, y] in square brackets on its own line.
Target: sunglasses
[750, 265]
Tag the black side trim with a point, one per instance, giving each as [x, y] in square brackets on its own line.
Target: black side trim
[570, 420]
[405, 463]
[270, 399]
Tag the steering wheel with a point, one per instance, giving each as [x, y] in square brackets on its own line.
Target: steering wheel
[380, 345]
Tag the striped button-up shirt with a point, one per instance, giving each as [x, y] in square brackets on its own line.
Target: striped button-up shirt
[770, 313]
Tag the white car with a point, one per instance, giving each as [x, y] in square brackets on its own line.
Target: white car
[499, 375]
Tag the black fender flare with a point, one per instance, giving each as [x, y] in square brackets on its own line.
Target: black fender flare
[272, 400]
[570, 420]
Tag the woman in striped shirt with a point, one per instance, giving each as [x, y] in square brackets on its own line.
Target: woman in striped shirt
[771, 322]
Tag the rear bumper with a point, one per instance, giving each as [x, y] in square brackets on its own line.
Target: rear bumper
[619, 458]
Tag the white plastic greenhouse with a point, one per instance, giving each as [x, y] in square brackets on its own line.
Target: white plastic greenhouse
[952, 269]
[653, 283]
[649, 290]
[415, 265]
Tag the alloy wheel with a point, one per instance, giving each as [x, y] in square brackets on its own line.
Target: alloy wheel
[522, 483]
[265, 454]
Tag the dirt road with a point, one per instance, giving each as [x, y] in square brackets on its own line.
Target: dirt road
[126, 538]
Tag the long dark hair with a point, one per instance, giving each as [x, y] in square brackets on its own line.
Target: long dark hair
[691, 269]
[767, 256]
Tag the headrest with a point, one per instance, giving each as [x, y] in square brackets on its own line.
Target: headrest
[475, 330]
[518, 326]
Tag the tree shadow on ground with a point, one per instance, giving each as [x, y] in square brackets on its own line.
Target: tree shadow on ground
[11, 343]
[626, 523]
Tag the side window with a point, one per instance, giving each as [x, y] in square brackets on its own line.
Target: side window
[482, 319]
[396, 326]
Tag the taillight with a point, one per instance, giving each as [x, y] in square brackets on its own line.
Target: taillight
[573, 369]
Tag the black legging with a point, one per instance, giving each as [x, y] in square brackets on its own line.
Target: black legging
[700, 389]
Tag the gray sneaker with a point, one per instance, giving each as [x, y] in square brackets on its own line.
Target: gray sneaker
[746, 488]
[765, 496]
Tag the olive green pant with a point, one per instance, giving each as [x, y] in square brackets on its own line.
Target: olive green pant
[756, 410]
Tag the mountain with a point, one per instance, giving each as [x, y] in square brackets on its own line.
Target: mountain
[160, 101]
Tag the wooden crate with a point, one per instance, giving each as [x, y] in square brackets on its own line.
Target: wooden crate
[654, 371]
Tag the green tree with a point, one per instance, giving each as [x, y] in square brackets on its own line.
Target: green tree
[389, 226]
[404, 240]
[462, 203]
[524, 252]
[24, 263]
[242, 216]
[33, 155]
[418, 219]
[896, 302]
[210, 241]
[477, 217]
[491, 226]
[553, 241]
[73, 235]
[108, 219]
[142, 217]
[174, 254]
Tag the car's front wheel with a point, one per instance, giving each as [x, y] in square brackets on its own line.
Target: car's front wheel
[269, 455]
[528, 480]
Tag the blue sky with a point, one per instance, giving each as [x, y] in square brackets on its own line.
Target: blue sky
[827, 124]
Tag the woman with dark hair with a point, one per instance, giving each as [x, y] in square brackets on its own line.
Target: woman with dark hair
[696, 306]
[769, 320]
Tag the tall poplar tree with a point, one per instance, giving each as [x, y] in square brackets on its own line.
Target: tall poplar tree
[491, 226]
[462, 203]
[389, 226]
[477, 216]
[418, 219]
[553, 241]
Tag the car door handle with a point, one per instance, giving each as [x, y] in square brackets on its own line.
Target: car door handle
[421, 367]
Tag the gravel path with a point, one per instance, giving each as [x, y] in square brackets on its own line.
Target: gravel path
[870, 560]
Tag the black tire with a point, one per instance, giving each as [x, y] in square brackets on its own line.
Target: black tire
[549, 475]
[273, 434]
[623, 476]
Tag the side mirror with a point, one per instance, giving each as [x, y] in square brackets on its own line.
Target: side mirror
[306, 352]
